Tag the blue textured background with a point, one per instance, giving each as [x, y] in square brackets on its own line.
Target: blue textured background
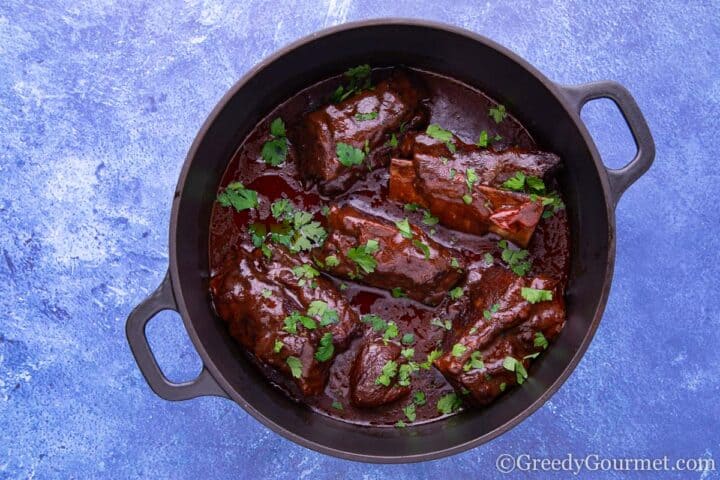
[99, 102]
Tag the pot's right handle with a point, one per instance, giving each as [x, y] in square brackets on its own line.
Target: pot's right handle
[163, 299]
[620, 179]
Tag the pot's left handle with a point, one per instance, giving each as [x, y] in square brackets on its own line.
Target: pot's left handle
[163, 299]
[619, 178]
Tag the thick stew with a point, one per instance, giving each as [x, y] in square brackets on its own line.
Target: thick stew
[390, 247]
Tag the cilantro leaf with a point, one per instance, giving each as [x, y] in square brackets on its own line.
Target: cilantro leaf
[498, 113]
[337, 405]
[438, 133]
[422, 247]
[325, 349]
[446, 324]
[458, 349]
[456, 293]
[516, 259]
[304, 273]
[407, 339]
[540, 341]
[277, 128]
[515, 365]
[404, 227]
[397, 292]
[332, 261]
[281, 208]
[363, 117]
[239, 197]
[393, 142]
[362, 256]
[295, 366]
[377, 322]
[429, 219]
[389, 371]
[448, 403]
[409, 411]
[274, 152]
[431, 357]
[419, 398]
[391, 331]
[482, 139]
[475, 362]
[349, 155]
[326, 314]
[278, 345]
[534, 295]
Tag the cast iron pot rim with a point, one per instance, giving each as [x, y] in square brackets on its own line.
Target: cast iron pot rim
[238, 398]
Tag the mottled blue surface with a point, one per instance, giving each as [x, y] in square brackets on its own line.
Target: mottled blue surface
[99, 102]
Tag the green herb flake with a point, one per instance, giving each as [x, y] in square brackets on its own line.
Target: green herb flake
[446, 324]
[503, 386]
[292, 320]
[482, 139]
[454, 263]
[458, 349]
[363, 117]
[397, 292]
[321, 310]
[337, 405]
[304, 273]
[407, 339]
[391, 331]
[475, 362]
[534, 295]
[470, 178]
[295, 366]
[456, 293]
[411, 207]
[266, 293]
[404, 227]
[332, 261]
[278, 346]
[489, 259]
[515, 258]
[409, 411]
[362, 255]
[452, 173]
[467, 199]
[281, 209]
[400, 424]
[540, 341]
[348, 155]
[393, 142]
[449, 403]
[429, 219]
[419, 398]
[408, 353]
[274, 151]
[325, 349]
[498, 113]
[515, 365]
[438, 133]
[389, 371]
[431, 357]
[532, 356]
[376, 322]
[422, 247]
[238, 197]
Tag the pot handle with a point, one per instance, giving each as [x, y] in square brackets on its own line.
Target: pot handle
[163, 299]
[619, 179]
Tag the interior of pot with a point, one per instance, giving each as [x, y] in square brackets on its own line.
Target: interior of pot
[432, 48]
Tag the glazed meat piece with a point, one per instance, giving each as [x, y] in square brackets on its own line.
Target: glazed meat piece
[367, 388]
[439, 181]
[277, 319]
[419, 266]
[503, 329]
[364, 121]
[492, 168]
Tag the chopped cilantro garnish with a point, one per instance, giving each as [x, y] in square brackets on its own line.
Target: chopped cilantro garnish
[458, 349]
[266, 293]
[407, 339]
[503, 386]
[422, 247]
[295, 366]
[532, 356]
[391, 331]
[540, 341]
[362, 255]
[475, 362]
[389, 371]
[454, 263]
[332, 261]
[516, 259]
[363, 117]
[431, 357]
[404, 227]
[467, 199]
[419, 398]
[294, 318]
[489, 259]
[400, 424]
[446, 324]
[456, 293]
[278, 345]
[281, 208]
[404, 373]
[349, 155]
[470, 178]
[439, 133]
[429, 219]
[275, 151]
[534, 295]
[393, 142]
[321, 309]
[482, 139]
[498, 113]
[409, 411]
[377, 322]
[452, 173]
[305, 273]
[397, 292]
[515, 365]
[337, 405]
[239, 197]
[325, 349]
[408, 353]
[359, 80]
[411, 207]
[448, 403]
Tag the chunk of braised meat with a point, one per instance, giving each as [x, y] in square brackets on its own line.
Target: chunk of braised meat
[364, 121]
[503, 330]
[375, 377]
[374, 251]
[256, 297]
[470, 202]
[492, 167]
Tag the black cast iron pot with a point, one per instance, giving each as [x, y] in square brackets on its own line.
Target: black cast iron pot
[551, 112]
